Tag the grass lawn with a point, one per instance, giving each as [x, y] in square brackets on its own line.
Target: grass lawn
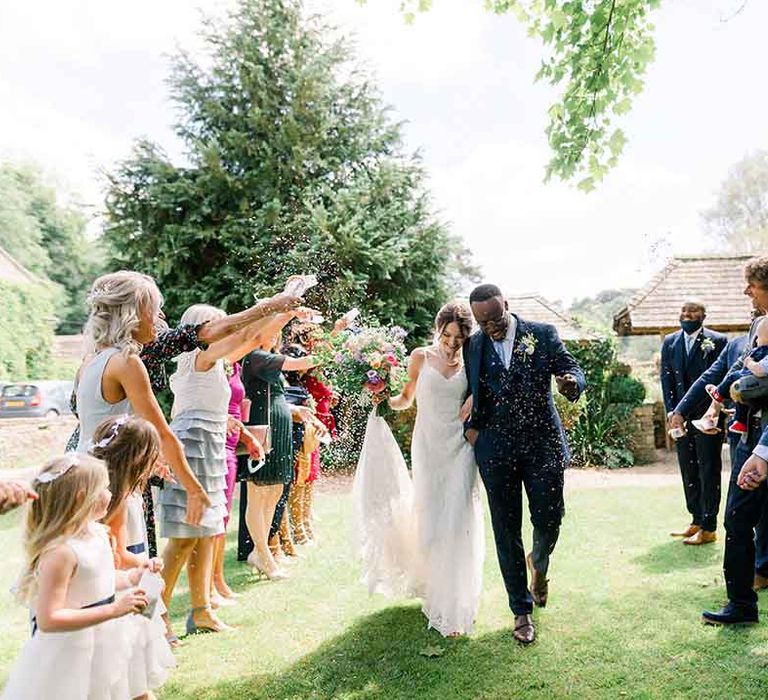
[622, 621]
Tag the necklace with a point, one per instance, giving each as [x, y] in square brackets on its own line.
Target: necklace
[455, 362]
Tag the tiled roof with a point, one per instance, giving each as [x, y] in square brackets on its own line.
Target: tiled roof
[716, 280]
[533, 307]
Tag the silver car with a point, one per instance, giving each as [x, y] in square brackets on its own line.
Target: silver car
[35, 399]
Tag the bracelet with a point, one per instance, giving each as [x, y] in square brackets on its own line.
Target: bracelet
[717, 396]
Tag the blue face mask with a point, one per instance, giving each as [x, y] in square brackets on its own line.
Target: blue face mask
[690, 326]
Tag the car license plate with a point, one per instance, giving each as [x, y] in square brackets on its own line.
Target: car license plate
[14, 404]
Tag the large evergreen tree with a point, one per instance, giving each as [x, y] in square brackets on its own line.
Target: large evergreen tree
[294, 166]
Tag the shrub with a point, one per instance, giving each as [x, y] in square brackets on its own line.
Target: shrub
[601, 434]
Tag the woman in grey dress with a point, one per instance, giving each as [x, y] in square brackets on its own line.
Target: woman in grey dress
[201, 393]
[112, 381]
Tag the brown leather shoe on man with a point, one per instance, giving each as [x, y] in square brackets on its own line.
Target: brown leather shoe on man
[539, 585]
[701, 537]
[760, 582]
[524, 631]
[688, 532]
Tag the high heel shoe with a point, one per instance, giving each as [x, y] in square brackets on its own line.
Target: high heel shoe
[255, 563]
[219, 601]
[194, 628]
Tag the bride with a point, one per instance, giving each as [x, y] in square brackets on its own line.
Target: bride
[445, 539]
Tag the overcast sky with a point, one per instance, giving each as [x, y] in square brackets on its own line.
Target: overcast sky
[81, 79]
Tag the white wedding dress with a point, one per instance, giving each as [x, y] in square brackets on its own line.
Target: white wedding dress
[424, 538]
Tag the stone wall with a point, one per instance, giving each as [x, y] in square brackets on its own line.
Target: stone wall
[643, 438]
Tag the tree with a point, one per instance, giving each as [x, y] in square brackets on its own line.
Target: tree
[295, 167]
[597, 54]
[597, 312]
[48, 238]
[739, 218]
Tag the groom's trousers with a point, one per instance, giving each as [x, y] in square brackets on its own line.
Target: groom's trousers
[504, 480]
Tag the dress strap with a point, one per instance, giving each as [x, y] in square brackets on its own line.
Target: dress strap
[106, 601]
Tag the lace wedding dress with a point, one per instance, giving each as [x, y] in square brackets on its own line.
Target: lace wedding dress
[424, 538]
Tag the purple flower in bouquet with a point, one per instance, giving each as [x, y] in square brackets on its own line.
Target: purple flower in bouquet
[375, 383]
[398, 332]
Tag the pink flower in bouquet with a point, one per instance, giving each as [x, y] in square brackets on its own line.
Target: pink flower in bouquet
[389, 357]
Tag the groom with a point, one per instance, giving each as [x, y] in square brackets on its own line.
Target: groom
[519, 440]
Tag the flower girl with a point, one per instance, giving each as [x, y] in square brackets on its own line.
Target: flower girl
[86, 643]
[130, 448]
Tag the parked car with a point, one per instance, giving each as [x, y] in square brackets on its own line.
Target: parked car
[35, 399]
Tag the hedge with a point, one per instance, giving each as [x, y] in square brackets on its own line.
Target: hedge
[26, 331]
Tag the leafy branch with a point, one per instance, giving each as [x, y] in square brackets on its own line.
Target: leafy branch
[597, 54]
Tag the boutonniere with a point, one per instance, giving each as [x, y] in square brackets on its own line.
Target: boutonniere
[707, 346]
[527, 344]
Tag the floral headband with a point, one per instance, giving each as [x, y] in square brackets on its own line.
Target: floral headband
[101, 444]
[73, 460]
[97, 295]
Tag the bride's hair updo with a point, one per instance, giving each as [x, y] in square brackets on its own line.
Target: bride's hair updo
[454, 312]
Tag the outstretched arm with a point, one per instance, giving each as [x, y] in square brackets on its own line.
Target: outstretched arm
[698, 393]
[568, 375]
[217, 330]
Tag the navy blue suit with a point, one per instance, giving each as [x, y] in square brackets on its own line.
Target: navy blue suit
[746, 512]
[698, 454]
[521, 443]
[716, 373]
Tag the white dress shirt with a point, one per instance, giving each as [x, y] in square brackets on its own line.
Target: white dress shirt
[505, 347]
[690, 339]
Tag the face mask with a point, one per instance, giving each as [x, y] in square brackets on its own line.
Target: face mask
[690, 326]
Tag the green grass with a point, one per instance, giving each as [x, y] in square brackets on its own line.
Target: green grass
[622, 621]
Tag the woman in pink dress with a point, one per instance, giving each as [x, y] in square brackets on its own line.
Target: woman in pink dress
[239, 408]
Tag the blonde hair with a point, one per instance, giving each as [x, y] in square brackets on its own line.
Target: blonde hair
[68, 488]
[129, 447]
[117, 301]
[198, 314]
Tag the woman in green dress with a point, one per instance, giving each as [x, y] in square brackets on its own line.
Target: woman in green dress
[264, 386]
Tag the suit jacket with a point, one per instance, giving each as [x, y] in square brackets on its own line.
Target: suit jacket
[724, 387]
[680, 370]
[535, 369]
[717, 371]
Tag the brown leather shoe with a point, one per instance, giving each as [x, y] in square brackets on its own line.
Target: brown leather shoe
[539, 585]
[524, 631]
[760, 583]
[701, 537]
[688, 532]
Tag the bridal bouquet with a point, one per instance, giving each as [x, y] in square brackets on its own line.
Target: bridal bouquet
[371, 360]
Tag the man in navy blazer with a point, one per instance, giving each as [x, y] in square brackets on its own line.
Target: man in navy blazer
[698, 393]
[685, 355]
[747, 500]
[519, 440]
[740, 448]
